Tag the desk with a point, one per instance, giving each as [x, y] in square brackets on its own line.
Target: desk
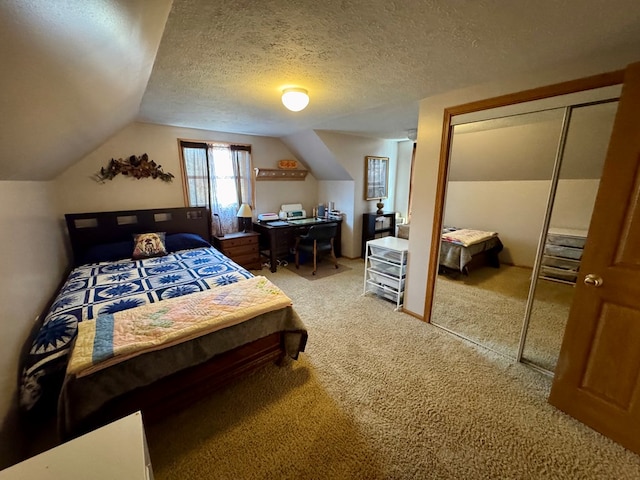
[279, 240]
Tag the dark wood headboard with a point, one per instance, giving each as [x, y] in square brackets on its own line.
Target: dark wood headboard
[95, 228]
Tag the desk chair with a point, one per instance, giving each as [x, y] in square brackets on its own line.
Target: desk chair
[319, 238]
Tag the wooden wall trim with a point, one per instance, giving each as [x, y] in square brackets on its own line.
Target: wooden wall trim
[548, 91]
[412, 314]
[441, 187]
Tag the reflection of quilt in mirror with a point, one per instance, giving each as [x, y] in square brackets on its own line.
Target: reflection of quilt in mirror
[458, 257]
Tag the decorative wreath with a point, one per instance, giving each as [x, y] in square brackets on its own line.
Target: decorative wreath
[136, 167]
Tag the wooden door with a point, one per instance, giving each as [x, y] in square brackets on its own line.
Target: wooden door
[597, 378]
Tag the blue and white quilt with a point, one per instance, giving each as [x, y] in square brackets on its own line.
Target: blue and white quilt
[108, 287]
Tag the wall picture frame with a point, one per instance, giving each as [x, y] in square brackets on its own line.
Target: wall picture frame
[376, 181]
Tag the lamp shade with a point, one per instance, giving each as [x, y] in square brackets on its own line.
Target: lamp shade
[244, 211]
[295, 99]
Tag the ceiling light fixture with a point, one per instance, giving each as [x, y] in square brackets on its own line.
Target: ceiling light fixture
[295, 99]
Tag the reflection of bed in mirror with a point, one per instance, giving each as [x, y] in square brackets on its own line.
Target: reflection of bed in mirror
[198, 318]
[512, 154]
[463, 249]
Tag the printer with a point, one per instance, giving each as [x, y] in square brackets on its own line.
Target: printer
[292, 211]
[267, 217]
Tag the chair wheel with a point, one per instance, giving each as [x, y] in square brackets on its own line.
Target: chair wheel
[336, 266]
[313, 273]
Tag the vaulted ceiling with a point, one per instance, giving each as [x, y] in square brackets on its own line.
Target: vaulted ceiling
[76, 72]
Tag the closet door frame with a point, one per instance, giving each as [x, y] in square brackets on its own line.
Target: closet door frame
[573, 86]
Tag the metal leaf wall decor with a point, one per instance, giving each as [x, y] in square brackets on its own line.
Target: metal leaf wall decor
[136, 167]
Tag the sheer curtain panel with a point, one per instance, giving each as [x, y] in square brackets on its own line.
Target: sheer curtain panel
[218, 176]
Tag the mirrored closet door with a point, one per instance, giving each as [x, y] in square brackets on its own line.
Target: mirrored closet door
[571, 206]
[499, 177]
[530, 179]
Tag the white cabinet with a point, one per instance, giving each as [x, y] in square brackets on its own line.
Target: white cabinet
[562, 255]
[115, 451]
[385, 266]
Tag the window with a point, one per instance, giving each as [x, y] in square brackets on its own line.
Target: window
[218, 176]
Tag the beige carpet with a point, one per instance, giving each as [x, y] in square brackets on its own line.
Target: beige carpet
[325, 268]
[488, 307]
[381, 395]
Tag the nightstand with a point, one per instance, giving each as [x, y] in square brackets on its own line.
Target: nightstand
[117, 450]
[243, 248]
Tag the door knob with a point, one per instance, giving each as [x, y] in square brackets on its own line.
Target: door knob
[593, 279]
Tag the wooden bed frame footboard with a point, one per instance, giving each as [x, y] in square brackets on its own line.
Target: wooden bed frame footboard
[183, 388]
[486, 258]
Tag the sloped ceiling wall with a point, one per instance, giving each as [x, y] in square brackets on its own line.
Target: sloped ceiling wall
[312, 150]
[524, 146]
[71, 78]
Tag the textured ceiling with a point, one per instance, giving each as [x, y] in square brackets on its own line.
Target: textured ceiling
[75, 72]
[221, 65]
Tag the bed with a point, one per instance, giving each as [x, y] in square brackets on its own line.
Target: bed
[462, 249]
[200, 320]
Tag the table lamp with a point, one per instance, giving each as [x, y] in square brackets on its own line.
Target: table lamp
[245, 215]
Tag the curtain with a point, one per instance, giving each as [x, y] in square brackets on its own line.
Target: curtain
[244, 173]
[196, 167]
[219, 177]
[225, 193]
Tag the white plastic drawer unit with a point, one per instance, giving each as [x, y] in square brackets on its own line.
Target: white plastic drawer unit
[388, 294]
[563, 251]
[564, 263]
[397, 283]
[566, 240]
[385, 268]
[383, 265]
[389, 255]
[558, 274]
[562, 254]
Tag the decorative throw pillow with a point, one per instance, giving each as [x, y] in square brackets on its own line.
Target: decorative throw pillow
[146, 245]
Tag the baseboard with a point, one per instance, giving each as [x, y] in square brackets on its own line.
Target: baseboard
[413, 314]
